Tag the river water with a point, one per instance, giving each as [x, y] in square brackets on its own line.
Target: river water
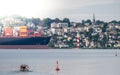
[71, 61]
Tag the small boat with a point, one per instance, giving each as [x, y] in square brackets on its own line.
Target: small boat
[24, 68]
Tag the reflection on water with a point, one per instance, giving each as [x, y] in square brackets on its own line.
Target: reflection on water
[71, 62]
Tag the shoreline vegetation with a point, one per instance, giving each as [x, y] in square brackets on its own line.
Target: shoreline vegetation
[86, 34]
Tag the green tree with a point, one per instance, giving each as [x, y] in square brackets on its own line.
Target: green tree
[98, 22]
[83, 22]
[114, 21]
[96, 37]
[36, 21]
[57, 20]
[47, 22]
[104, 41]
[104, 27]
[66, 20]
[118, 22]
[88, 21]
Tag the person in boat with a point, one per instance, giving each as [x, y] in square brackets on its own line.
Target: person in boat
[24, 68]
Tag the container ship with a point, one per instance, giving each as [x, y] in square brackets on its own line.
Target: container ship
[22, 38]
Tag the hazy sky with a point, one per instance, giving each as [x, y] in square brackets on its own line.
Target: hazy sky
[76, 10]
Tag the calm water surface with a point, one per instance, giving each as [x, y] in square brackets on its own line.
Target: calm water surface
[71, 62]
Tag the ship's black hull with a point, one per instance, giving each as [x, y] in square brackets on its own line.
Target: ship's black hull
[25, 41]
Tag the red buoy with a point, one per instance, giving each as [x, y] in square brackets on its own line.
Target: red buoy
[57, 68]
